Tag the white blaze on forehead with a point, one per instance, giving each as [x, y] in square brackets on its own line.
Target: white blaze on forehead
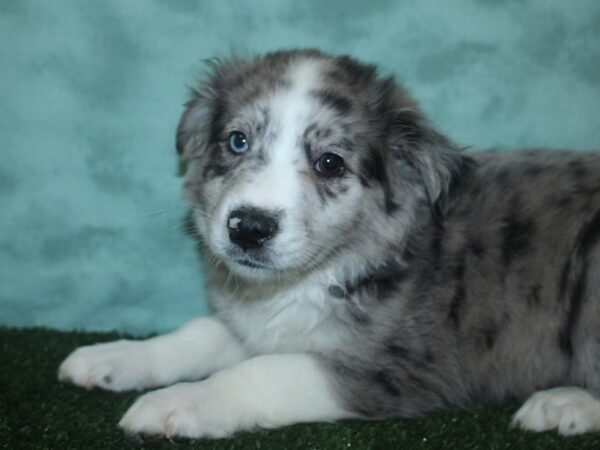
[291, 109]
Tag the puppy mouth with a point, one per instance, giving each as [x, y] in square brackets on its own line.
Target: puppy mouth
[253, 264]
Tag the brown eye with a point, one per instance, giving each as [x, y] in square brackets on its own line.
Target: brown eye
[330, 165]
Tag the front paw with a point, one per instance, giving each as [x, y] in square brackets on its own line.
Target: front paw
[569, 410]
[114, 366]
[185, 410]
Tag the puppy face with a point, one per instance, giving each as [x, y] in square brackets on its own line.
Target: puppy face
[293, 157]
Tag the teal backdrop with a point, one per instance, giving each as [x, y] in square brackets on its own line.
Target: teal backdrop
[91, 91]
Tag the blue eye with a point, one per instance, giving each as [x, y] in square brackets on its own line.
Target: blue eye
[238, 142]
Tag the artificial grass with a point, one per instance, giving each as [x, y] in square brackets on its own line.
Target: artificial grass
[38, 412]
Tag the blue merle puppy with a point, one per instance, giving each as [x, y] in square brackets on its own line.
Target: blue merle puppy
[361, 265]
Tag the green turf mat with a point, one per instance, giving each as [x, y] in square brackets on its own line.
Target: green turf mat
[37, 412]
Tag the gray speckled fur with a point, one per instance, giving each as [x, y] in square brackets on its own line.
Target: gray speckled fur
[483, 315]
[488, 287]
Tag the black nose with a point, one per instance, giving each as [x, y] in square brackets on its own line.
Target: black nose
[251, 227]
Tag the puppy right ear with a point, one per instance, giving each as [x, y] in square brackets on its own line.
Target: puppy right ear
[199, 124]
[202, 112]
[193, 128]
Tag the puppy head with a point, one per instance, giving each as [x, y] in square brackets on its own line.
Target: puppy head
[297, 157]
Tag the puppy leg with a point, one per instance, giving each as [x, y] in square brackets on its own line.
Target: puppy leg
[267, 391]
[570, 410]
[195, 350]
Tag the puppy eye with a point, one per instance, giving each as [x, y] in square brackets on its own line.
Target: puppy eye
[238, 142]
[330, 165]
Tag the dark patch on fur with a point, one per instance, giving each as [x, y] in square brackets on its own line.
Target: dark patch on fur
[334, 100]
[337, 291]
[326, 189]
[477, 248]
[503, 180]
[215, 167]
[533, 299]
[566, 333]
[346, 144]
[329, 192]
[358, 315]
[323, 133]
[263, 123]
[373, 168]
[561, 201]
[534, 170]
[180, 141]
[381, 281]
[517, 235]
[307, 151]
[216, 122]
[397, 351]
[424, 360]
[429, 356]
[420, 383]
[351, 72]
[214, 170]
[438, 232]
[576, 268]
[490, 334]
[383, 378]
[564, 342]
[306, 145]
[409, 252]
[589, 236]
[460, 177]
[564, 279]
[457, 300]
[577, 169]
[401, 354]
[459, 293]
[309, 130]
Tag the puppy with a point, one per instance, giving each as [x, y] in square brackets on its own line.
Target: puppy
[361, 266]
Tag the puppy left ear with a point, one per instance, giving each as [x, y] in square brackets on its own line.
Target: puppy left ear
[440, 165]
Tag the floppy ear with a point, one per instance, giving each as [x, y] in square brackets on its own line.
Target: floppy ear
[441, 167]
[192, 131]
[203, 112]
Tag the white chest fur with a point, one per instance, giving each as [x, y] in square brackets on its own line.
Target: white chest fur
[302, 317]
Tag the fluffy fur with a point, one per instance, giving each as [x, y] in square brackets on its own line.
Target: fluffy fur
[420, 277]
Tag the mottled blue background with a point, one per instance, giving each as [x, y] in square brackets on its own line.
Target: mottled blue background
[90, 93]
